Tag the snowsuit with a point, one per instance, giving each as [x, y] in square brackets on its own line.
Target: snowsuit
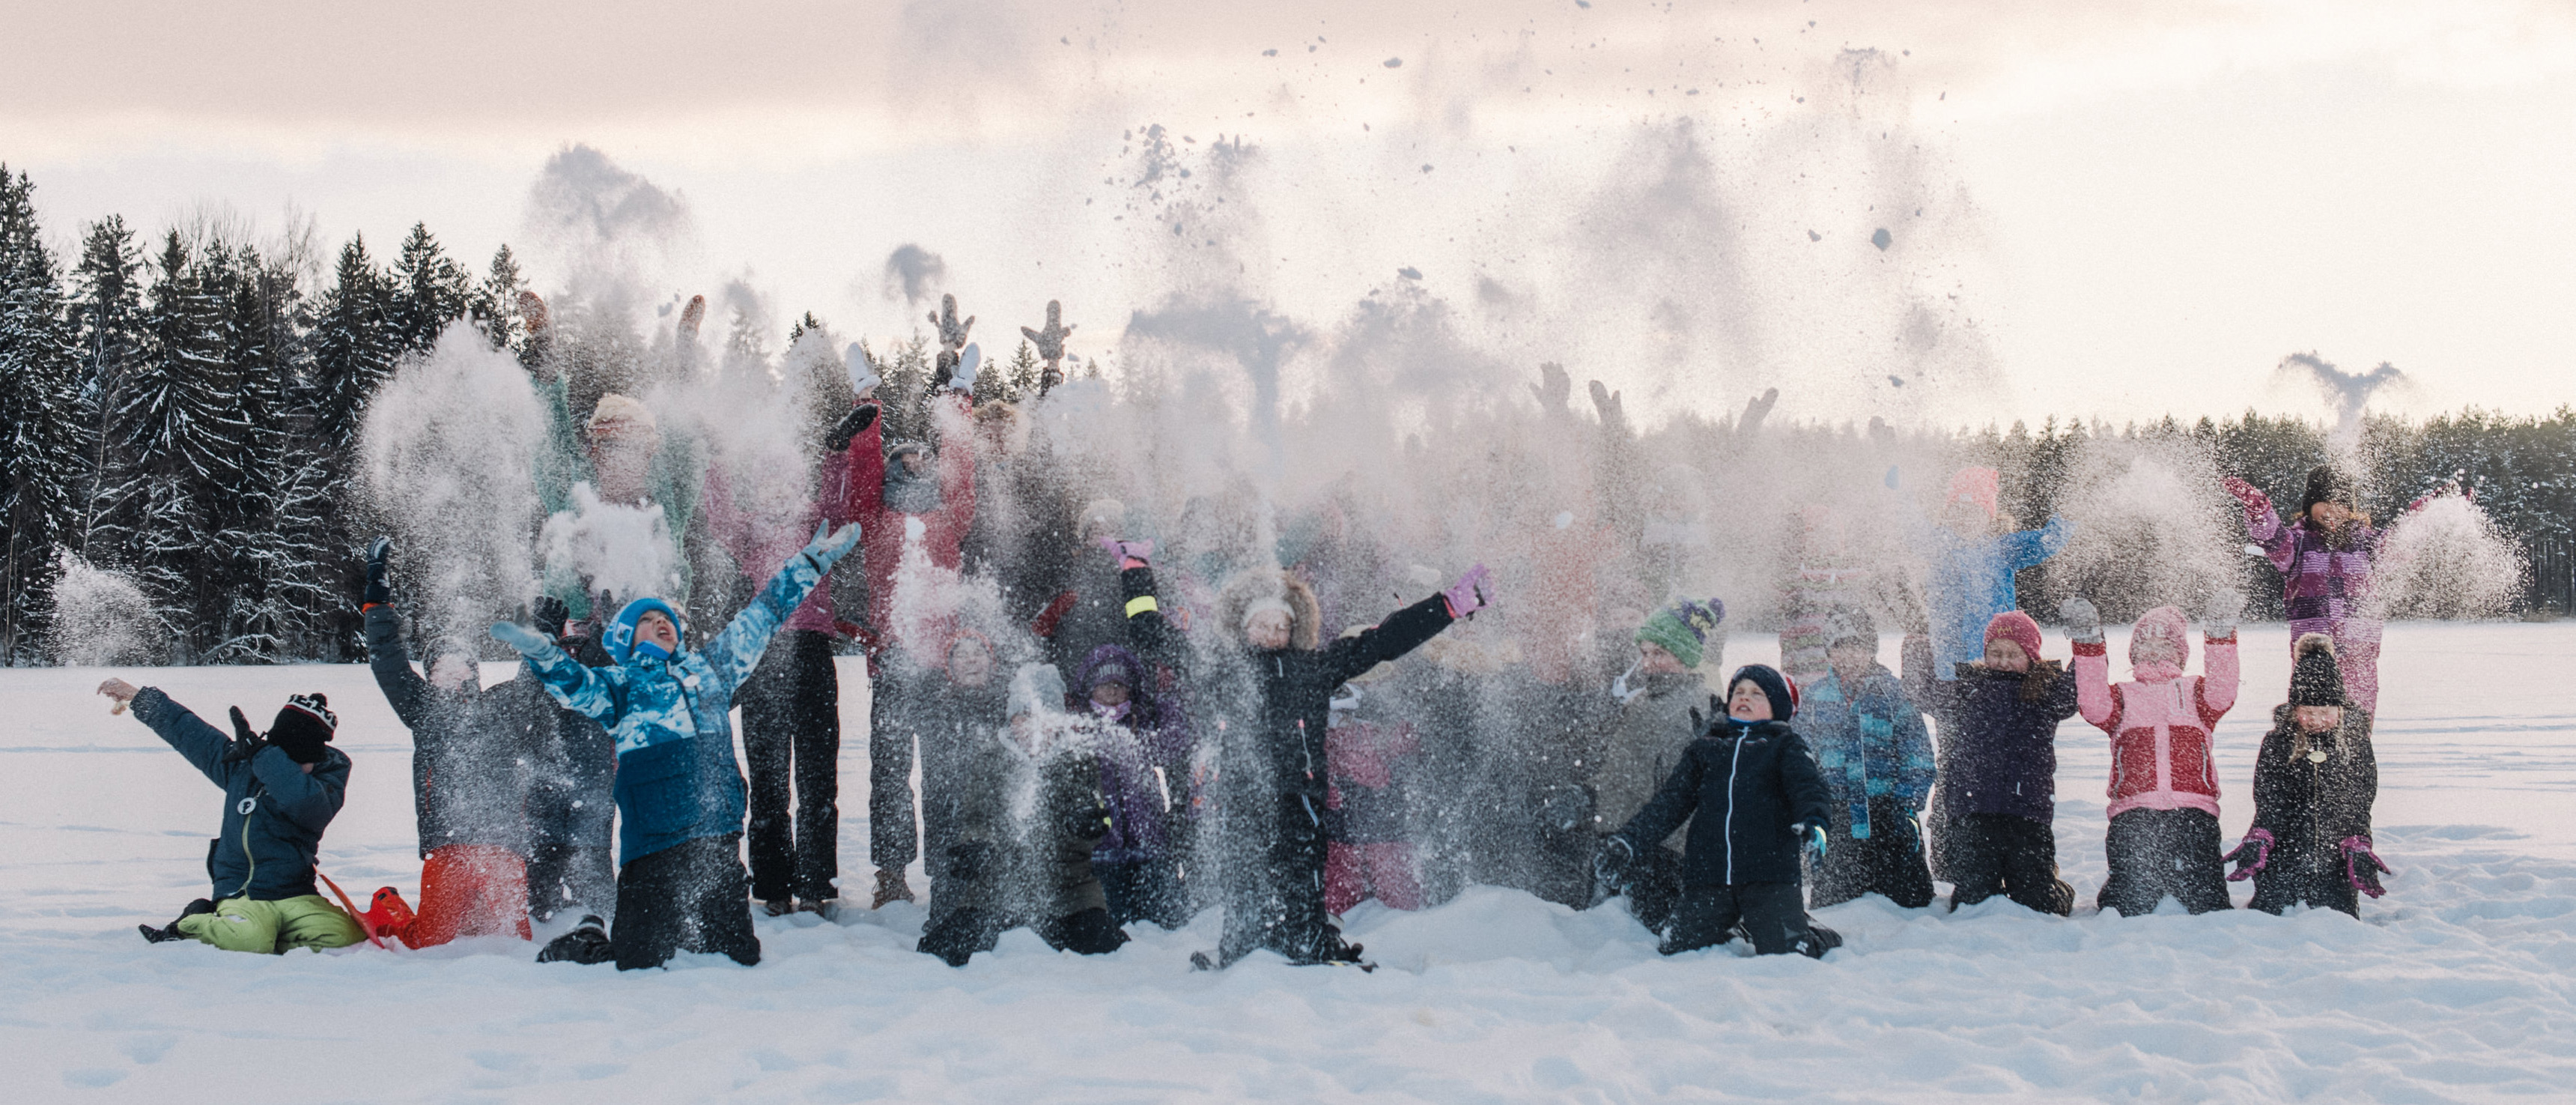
[1998, 775]
[1638, 750]
[791, 716]
[572, 805]
[1368, 759]
[1967, 584]
[675, 478]
[999, 870]
[2324, 586]
[678, 790]
[1144, 775]
[469, 788]
[2164, 779]
[1740, 785]
[1876, 757]
[2310, 807]
[1274, 708]
[274, 815]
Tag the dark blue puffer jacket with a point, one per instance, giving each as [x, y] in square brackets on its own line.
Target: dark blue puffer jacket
[274, 812]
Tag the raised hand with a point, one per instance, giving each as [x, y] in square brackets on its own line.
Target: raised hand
[1470, 593]
[379, 582]
[1606, 401]
[1130, 554]
[862, 368]
[2225, 604]
[2257, 504]
[1050, 341]
[2083, 620]
[850, 427]
[952, 333]
[692, 317]
[1553, 386]
[1757, 409]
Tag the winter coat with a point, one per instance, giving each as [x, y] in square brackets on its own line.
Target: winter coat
[274, 812]
[676, 476]
[2309, 807]
[470, 748]
[1642, 745]
[676, 775]
[1741, 786]
[1367, 757]
[1998, 733]
[882, 527]
[1870, 741]
[572, 789]
[1017, 815]
[2160, 724]
[1282, 709]
[1131, 749]
[1971, 580]
[759, 547]
[2321, 585]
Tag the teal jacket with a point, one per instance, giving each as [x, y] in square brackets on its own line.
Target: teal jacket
[274, 812]
[676, 776]
[1871, 742]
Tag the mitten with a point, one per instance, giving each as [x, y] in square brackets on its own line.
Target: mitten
[549, 614]
[2083, 621]
[830, 545]
[2250, 856]
[2362, 866]
[1470, 593]
[1610, 865]
[1813, 838]
[2257, 504]
[246, 743]
[528, 641]
[1130, 554]
[967, 362]
[379, 586]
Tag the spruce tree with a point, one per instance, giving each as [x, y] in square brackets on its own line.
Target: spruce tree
[39, 394]
[428, 292]
[354, 345]
[494, 306]
[108, 322]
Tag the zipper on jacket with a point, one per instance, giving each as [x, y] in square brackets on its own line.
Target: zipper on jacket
[253, 802]
[1732, 760]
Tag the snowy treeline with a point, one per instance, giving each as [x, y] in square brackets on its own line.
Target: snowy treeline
[183, 414]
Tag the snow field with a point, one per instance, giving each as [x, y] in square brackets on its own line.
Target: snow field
[2460, 985]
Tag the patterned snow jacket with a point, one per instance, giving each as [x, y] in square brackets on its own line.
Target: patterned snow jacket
[2322, 585]
[274, 812]
[2160, 723]
[676, 776]
[1871, 742]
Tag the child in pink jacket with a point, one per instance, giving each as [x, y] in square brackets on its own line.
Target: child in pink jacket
[2164, 778]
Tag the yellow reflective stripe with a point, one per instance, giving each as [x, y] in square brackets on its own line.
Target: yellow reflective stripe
[1141, 604]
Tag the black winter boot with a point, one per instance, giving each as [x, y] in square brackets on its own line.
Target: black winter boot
[587, 943]
[171, 931]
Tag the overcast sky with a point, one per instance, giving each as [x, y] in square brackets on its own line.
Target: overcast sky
[2120, 209]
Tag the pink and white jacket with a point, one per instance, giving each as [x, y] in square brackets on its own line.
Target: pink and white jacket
[2160, 722]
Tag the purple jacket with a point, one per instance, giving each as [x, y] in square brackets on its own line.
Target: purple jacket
[2321, 585]
[1137, 744]
[1998, 733]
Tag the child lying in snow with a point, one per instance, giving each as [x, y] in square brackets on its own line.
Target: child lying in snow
[1753, 796]
[2314, 781]
[281, 789]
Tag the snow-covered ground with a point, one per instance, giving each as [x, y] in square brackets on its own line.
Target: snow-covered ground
[2460, 985]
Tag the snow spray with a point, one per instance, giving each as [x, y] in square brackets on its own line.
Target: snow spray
[449, 445]
[2445, 559]
[101, 618]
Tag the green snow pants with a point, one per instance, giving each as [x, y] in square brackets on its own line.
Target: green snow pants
[243, 925]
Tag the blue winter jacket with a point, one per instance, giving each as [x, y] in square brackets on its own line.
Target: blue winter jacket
[274, 812]
[676, 776]
[1870, 741]
[1971, 581]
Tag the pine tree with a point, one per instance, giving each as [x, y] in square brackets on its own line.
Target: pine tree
[108, 322]
[354, 345]
[428, 291]
[39, 396]
[181, 419]
[494, 306]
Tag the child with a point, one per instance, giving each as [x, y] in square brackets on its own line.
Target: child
[1877, 760]
[681, 885]
[468, 781]
[1645, 741]
[1998, 771]
[1753, 796]
[2324, 555]
[2164, 779]
[281, 789]
[1139, 866]
[2314, 781]
[1272, 694]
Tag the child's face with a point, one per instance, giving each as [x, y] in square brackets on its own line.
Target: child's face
[1852, 660]
[1748, 703]
[2155, 650]
[2004, 655]
[1110, 694]
[1655, 659]
[656, 627]
[2318, 719]
[969, 665]
[1268, 630]
[912, 463]
[452, 672]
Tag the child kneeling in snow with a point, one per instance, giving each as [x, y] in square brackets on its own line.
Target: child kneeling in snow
[281, 789]
[2164, 779]
[2314, 781]
[1998, 773]
[680, 885]
[1877, 760]
[1753, 796]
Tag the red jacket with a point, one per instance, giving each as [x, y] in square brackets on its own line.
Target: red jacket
[881, 531]
[2160, 722]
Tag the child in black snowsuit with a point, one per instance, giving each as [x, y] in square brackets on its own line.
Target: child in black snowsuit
[1754, 796]
[1998, 778]
[2314, 781]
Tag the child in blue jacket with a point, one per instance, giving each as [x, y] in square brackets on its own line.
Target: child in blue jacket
[680, 803]
[1877, 758]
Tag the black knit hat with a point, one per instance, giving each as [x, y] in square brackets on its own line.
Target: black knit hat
[303, 726]
[2325, 485]
[2315, 678]
[1775, 686]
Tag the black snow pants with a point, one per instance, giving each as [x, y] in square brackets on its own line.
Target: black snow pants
[2001, 853]
[894, 839]
[1145, 890]
[1275, 887]
[1889, 862]
[791, 736]
[1773, 916]
[1653, 886]
[690, 897]
[2155, 854]
[571, 878]
[2304, 872]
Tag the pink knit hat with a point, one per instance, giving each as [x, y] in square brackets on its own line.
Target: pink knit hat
[2015, 626]
[1977, 485]
[2163, 623]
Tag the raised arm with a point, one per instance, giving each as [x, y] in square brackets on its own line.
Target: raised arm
[404, 689]
[734, 652]
[1672, 804]
[2218, 683]
[1402, 632]
[2094, 694]
[2029, 547]
[203, 744]
[309, 800]
[579, 688]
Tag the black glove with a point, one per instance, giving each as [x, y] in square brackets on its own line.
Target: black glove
[548, 614]
[1087, 820]
[1610, 865]
[379, 588]
[850, 427]
[246, 743]
[966, 861]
